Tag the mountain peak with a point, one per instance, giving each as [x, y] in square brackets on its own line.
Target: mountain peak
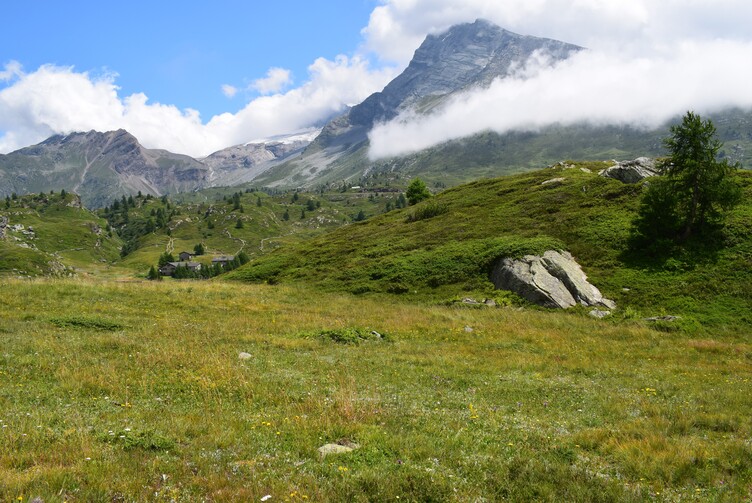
[465, 56]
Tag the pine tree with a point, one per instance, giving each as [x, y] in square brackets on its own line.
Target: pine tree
[696, 191]
[417, 192]
[153, 274]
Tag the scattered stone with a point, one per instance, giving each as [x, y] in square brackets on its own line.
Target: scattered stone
[663, 318]
[75, 202]
[553, 181]
[626, 289]
[327, 449]
[376, 334]
[585, 170]
[597, 313]
[468, 329]
[245, 356]
[3, 226]
[472, 302]
[631, 171]
[552, 280]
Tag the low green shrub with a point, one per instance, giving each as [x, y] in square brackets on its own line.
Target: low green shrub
[427, 210]
[92, 322]
[348, 335]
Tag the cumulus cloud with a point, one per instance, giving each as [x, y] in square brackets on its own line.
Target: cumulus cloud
[11, 70]
[276, 79]
[229, 91]
[56, 99]
[595, 87]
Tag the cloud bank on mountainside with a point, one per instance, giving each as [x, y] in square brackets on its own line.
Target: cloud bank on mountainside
[590, 87]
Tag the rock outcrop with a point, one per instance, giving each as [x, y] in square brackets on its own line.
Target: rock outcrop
[3, 226]
[552, 280]
[631, 171]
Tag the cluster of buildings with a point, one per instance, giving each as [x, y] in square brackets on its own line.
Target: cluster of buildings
[185, 261]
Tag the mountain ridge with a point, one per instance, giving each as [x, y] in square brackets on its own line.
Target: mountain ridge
[465, 56]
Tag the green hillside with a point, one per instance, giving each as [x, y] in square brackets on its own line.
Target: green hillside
[51, 234]
[226, 221]
[443, 248]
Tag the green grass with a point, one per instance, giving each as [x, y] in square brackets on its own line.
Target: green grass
[140, 395]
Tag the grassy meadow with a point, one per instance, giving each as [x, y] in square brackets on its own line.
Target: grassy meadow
[134, 391]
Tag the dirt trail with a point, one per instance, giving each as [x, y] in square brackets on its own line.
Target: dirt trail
[242, 241]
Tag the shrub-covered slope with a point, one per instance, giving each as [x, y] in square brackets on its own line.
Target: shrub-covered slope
[444, 247]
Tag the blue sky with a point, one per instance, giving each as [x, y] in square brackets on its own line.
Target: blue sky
[195, 76]
[182, 52]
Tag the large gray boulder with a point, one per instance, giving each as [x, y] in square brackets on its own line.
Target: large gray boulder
[631, 171]
[553, 280]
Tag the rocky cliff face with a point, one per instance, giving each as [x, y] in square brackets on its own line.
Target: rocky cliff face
[466, 56]
[98, 166]
[242, 163]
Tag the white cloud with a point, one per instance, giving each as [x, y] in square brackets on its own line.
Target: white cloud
[12, 70]
[397, 27]
[276, 79]
[55, 99]
[592, 86]
[229, 91]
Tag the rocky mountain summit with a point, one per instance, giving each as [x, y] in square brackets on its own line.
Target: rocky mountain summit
[98, 166]
[466, 56]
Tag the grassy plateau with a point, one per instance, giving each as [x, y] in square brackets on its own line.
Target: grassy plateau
[134, 391]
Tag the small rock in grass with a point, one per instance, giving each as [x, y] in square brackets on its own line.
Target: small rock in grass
[468, 329]
[553, 181]
[244, 356]
[597, 313]
[662, 318]
[328, 449]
